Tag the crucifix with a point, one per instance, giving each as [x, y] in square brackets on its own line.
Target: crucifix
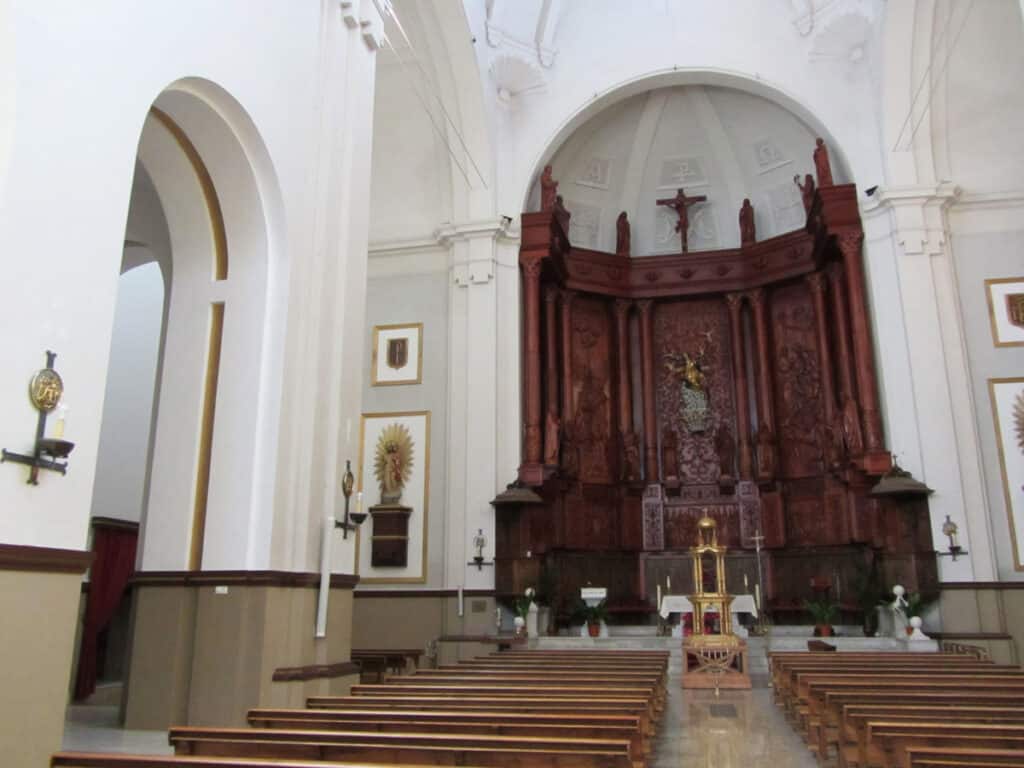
[679, 204]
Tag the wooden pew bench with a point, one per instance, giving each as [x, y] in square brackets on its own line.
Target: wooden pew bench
[513, 690]
[123, 760]
[571, 725]
[857, 717]
[585, 678]
[962, 757]
[555, 705]
[886, 743]
[428, 748]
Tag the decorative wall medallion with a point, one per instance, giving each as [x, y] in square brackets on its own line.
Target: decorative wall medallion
[1005, 296]
[768, 156]
[1007, 396]
[682, 172]
[596, 173]
[45, 389]
[686, 274]
[397, 354]
[651, 277]
[585, 225]
[722, 270]
[614, 274]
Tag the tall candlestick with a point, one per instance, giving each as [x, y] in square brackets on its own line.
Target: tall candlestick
[757, 596]
[659, 598]
[668, 584]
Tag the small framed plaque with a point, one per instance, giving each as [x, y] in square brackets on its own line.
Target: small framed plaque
[397, 356]
[1006, 310]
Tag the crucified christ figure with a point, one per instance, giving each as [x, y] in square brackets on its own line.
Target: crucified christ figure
[679, 204]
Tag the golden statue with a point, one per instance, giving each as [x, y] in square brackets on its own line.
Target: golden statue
[392, 464]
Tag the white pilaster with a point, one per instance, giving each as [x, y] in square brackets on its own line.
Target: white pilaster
[473, 391]
[945, 453]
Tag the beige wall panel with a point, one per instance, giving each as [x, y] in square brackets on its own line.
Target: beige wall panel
[959, 609]
[40, 611]
[1013, 605]
[990, 612]
[396, 622]
[229, 649]
[160, 657]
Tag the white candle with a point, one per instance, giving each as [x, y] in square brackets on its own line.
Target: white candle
[659, 598]
[746, 584]
[359, 502]
[61, 423]
[668, 584]
[757, 595]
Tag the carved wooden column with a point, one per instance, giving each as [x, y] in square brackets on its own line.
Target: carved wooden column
[839, 316]
[622, 307]
[739, 369]
[567, 411]
[551, 366]
[531, 274]
[863, 348]
[816, 282]
[766, 421]
[646, 307]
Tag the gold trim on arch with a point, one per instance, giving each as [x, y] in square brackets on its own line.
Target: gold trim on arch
[195, 558]
[1007, 500]
[424, 563]
[220, 239]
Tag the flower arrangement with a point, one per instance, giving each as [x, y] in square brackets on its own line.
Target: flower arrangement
[523, 603]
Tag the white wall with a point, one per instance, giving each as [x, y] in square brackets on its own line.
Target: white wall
[291, 86]
[128, 401]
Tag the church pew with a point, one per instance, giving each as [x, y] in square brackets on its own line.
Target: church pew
[831, 729]
[124, 760]
[856, 719]
[506, 691]
[825, 712]
[586, 677]
[428, 748]
[785, 681]
[657, 669]
[885, 743]
[458, 721]
[553, 705]
[961, 757]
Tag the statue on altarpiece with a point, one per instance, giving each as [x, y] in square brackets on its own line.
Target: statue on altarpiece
[748, 235]
[392, 464]
[622, 235]
[688, 369]
[806, 191]
[548, 190]
[822, 166]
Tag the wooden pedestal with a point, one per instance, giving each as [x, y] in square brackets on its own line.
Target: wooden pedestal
[389, 540]
[715, 661]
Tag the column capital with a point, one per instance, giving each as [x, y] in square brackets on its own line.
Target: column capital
[816, 282]
[756, 297]
[567, 295]
[622, 307]
[850, 240]
[551, 293]
[645, 306]
[531, 265]
[734, 300]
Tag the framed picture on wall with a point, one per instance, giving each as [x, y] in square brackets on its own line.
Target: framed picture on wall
[397, 356]
[394, 476]
[1006, 310]
[1007, 397]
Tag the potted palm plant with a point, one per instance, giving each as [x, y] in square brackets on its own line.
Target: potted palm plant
[824, 611]
[594, 616]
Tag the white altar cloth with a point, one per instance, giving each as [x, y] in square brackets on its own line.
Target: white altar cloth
[682, 604]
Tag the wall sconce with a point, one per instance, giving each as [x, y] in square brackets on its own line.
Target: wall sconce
[358, 516]
[45, 391]
[949, 529]
[479, 542]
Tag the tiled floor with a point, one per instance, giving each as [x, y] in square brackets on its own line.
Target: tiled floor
[739, 729]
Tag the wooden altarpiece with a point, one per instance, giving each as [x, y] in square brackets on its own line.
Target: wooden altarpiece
[736, 383]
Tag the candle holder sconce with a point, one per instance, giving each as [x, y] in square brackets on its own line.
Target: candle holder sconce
[45, 391]
[479, 542]
[949, 529]
[356, 518]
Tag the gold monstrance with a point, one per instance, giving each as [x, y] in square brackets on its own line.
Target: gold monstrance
[712, 660]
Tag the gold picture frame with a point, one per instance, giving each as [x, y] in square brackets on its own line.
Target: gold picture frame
[1011, 467]
[1005, 333]
[365, 451]
[396, 357]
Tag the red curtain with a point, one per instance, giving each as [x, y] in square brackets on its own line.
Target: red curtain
[115, 561]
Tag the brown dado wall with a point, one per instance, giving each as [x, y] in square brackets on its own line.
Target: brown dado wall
[418, 618]
[986, 614]
[39, 595]
[206, 646]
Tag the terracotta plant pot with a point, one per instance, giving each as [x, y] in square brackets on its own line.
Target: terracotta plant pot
[594, 629]
[824, 630]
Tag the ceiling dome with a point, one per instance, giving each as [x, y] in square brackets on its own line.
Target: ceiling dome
[721, 143]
